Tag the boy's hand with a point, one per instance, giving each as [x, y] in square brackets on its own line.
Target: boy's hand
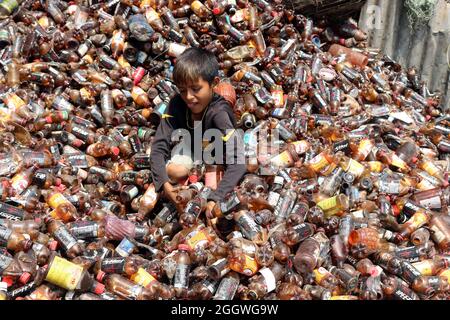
[171, 193]
[209, 209]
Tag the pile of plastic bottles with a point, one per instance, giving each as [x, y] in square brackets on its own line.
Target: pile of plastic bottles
[354, 206]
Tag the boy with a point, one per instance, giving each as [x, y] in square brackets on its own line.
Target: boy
[196, 107]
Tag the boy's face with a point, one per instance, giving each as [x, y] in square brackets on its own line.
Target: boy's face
[197, 95]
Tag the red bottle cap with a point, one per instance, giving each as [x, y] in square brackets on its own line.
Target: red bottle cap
[100, 276]
[115, 151]
[396, 210]
[183, 247]
[24, 278]
[99, 288]
[53, 245]
[193, 178]
[216, 11]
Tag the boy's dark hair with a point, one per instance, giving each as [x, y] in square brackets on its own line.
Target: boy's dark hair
[194, 63]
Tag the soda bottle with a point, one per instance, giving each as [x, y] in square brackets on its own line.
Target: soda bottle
[63, 236]
[181, 281]
[227, 287]
[127, 289]
[71, 276]
[262, 284]
[63, 208]
[13, 240]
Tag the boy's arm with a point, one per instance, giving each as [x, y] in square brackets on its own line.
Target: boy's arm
[161, 152]
[234, 156]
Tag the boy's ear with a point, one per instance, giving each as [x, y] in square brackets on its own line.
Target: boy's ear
[215, 81]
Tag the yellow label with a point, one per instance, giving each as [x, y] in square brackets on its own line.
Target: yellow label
[200, 238]
[445, 273]
[142, 277]
[375, 166]
[397, 162]
[165, 115]
[319, 162]
[301, 146]
[56, 200]
[84, 93]
[424, 267]
[250, 267]
[19, 183]
[43, 22]
[14, 102]
[64, 273]
[418, 219]
[320, 274]
[136, 92]
[344, 298]
[430, 168]
[123, 62]
[146, 3]
[328, 204]
[365, 146]
[281, 160]
[355, 168]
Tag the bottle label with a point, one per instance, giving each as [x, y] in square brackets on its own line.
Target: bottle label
[397, 162]
[341, 146]
[10, 212]
[391, 187]
[445, 273]
[85, 230]
[9, 5]
[320, 274]
[282, 160]
[318, 162]
[113, 265]
[248, 226]
[303, 230]
[409, 272]
[328, 204]
[78, 161]
[56, 200]
[227, 289]
[424, 267]
[402, 295]
[355, 168]
[273, 198]
[418, 220]
[64, 274]
[285, 134]
[142, 278]
[432, 203]
[221, 265]
[197, 239]
[271, 282]
[125, 248]
[19, 183]
[250, 266]
[229, 203]
[181, 276]
[65, 238]
[5, 261]
[5, 233]
[430, 168]
[140, 232]
[437, 235]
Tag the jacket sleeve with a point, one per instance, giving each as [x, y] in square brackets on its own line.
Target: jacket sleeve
[160, 153]
[234, 160]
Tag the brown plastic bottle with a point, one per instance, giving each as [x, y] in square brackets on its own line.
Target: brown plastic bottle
[13, 240]
[181, 278]
[127, 289]
[265, 283]
[147, 202]
[11, 267]
[353, 57]
[63, 208]
[440, 227]
[61, 234]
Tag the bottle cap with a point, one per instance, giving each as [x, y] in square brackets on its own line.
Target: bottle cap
[216, 11]
[24, 278]
[53, 245]
[100, 276]
[193, 178]
[395, 210]
[99, 288]
[183, 247]
[115, 151]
